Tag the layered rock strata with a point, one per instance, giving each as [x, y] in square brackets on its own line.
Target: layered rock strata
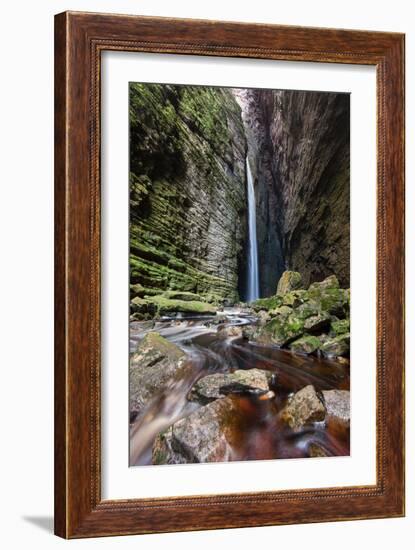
[187, 190]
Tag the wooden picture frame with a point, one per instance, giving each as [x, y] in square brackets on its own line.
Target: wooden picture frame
[79, 40]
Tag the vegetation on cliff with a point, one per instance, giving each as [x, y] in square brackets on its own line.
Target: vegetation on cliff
[187, 190]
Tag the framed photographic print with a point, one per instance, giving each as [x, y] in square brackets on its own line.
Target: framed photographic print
[229, 214]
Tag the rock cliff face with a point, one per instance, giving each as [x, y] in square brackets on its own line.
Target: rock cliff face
[188, 198]
[187, 190]
[299, 146]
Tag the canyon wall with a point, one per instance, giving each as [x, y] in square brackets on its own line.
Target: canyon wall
[187, 190]
[299, 145]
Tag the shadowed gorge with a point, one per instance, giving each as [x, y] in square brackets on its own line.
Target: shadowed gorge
[188, 187]
[239, 274]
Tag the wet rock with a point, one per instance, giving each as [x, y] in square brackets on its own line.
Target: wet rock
[336, 302]
[264, 317]
[332, 300]
[283, 311]
[334, 347]
[281, 331]
[340, 326]
[307, 344]
[142, 309]
[156, 363]
[309, 309]
[219, 319]
[204, 436]
[236, 388]
[329, 282]
[167, 306]
[329, 297]
[317, 323]
[290, 280]
[267, 303]
[184, 296]
[137, 290]
[338, 404]
[304, 407]
[250, 332]
[317, 451]
[163, 452]
[209, 387]
[230, 331]
[292, 299]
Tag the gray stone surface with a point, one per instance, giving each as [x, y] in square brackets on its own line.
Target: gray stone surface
[304, 407]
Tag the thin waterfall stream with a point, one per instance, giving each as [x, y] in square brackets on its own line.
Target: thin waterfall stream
[253, 278]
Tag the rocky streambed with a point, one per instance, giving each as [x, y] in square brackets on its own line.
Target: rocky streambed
[264, 381]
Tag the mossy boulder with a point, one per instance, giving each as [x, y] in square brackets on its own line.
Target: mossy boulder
[165, 306]
[295, 298]
[263, 317]
[267, 303]
[306, 344]
[329, 282]
[142, 308]
[316, 324]
[281, 331]
[185, 296]
[332, 300]
[322, 310]
[340, 326]
[156, 364]
[283, 311]
[289, 280]
[137, 290]
[308, 309]
[335, 301]
[206, 435]
[338, 346]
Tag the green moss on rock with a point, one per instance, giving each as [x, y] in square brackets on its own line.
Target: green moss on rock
[338, 346]
[340, 326]
[306, 344]
[281, 331]
[289, 280]
[272, 302]
[164, 306]
[179, 240]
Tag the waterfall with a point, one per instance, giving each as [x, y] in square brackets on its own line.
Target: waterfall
[253, 280]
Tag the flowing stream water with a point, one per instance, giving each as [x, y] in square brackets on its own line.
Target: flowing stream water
[260, 434]
[253, 278]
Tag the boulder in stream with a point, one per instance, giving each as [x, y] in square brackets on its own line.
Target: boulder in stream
[338, 404]
[304, 407]
[230, 331]
[204, 436]
[156, 363]
[208, 388]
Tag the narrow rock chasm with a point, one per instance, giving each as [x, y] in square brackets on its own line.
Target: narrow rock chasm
[189, 149]
[298, 145]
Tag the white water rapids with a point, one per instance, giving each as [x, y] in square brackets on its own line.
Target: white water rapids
[253, 279]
